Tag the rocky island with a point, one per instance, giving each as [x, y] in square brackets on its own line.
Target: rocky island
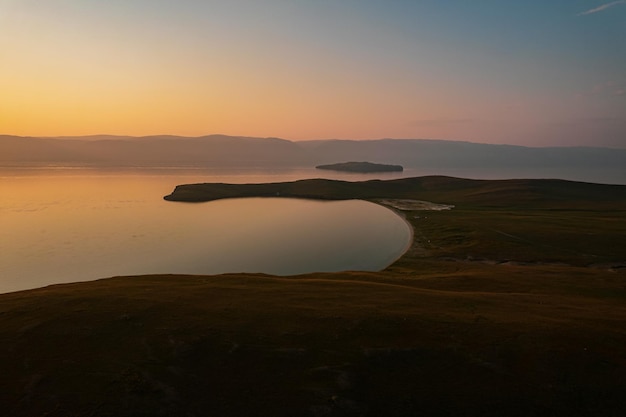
[363, 167]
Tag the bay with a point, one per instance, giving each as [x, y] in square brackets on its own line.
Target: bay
[74, 224]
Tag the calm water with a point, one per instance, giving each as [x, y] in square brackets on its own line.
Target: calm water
[66, 225]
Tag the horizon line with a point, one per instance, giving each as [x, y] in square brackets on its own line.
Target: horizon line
[78, 137]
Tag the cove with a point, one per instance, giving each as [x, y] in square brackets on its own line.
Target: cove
[287, 236]
[72, 228]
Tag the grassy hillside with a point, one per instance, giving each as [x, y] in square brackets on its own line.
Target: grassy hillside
[511, 304]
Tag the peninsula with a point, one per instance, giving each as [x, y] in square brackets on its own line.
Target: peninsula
[362, 167]
[519, 193]
[512, 303]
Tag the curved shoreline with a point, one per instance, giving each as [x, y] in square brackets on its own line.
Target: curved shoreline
[402, 216]
[471, 197]
[379, 202]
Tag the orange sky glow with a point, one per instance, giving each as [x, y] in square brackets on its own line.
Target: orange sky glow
[306, 72]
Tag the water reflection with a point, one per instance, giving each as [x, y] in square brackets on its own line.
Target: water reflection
[65, 228]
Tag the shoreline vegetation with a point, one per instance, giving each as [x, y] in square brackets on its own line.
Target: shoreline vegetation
[511, 303]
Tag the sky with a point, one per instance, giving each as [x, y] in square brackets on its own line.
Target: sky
[531, 72]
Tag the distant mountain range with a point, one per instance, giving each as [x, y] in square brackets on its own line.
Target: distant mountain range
[434, 156]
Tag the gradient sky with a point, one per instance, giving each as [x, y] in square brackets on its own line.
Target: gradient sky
[532, 72]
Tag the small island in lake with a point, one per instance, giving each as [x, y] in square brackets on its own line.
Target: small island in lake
[364, 167]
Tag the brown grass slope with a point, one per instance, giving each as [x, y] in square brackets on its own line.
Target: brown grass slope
[515, 309]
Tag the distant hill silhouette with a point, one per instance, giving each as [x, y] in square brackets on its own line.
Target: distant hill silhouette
[210, 151]
[436, 156]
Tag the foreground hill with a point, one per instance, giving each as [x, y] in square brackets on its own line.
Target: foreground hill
[511, 304]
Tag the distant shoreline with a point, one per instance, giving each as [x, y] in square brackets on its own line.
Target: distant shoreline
[456, 158]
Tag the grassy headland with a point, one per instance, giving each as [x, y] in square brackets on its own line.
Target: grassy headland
[511, 304]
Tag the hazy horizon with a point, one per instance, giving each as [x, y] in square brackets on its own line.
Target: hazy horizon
[121, 136]
[106, 136]
[423, 157]
[527, 74]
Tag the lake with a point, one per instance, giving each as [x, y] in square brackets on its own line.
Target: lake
[76, 224]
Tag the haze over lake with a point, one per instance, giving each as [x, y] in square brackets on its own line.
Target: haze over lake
[65, 225]
[423, 157]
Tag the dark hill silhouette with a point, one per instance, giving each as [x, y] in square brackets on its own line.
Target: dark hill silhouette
[209, 151]
[435, 156]
[438, 153]
[544, 193]
[361, 167]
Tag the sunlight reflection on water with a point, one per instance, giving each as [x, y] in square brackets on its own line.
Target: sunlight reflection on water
[84, 224]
